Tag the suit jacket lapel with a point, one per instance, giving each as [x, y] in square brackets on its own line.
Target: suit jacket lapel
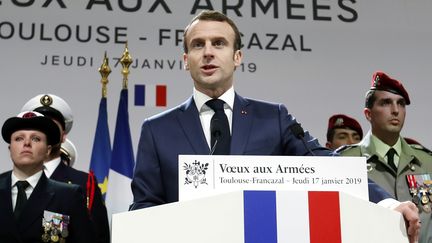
[36, 204]
[7, 220]
[241, 125]
[407, 157]
[6, 205]
[60, 173]
[188, 118]
[368, 148]
[6, 195]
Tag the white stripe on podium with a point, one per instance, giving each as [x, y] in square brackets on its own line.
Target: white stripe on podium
[293, 220]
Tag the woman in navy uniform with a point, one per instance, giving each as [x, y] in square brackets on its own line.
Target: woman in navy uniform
[42, 210]
[57, 168]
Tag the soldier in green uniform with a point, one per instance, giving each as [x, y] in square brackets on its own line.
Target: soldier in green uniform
[402, 169]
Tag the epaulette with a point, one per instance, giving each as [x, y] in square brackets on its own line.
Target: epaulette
[345, 147]
[421, 147]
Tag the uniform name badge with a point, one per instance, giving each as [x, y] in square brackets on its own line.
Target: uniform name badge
[421, 191]
[55, 227]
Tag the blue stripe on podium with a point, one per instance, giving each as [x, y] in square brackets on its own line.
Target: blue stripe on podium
[260, 224]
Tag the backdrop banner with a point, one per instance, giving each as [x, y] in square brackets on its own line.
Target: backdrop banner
[315, 56]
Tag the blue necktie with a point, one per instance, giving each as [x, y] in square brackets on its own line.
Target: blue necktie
[219, 129]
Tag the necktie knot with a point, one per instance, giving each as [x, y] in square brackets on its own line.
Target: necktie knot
[216, 104]
[220, 139]
[22, 185]
[390, 153]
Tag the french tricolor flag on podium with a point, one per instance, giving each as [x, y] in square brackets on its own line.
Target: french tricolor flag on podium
[317, 217]
[266, 213]
[263, 217]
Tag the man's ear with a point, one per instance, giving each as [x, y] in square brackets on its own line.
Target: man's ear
[49, 147]
[238, 57]
[185, 60]
[63, 137]
[367, 113]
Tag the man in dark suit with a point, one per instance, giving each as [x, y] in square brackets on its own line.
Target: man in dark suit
[57, 169]
[215, 120]
[28, 198]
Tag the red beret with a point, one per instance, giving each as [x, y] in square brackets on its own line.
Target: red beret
[381, 81]
[343, 121]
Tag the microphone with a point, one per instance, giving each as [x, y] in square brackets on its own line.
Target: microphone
[299, 133]
[215, 133]
[297, 130]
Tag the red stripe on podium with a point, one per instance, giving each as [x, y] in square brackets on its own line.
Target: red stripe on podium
[324, 217]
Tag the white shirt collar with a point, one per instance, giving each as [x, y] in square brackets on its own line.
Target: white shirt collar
[206, 113]
[201, 98]
[382, 148]
[50, 166]
[32, 180]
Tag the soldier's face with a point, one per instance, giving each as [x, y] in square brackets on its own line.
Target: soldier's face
[343, 136]
[387, 115]
[28, 148]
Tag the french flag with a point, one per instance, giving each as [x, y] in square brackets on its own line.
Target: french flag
[269, 218]
[154, 95]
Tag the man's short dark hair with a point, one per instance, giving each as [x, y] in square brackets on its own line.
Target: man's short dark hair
[370, 98]
[211, 15]
[330, 134]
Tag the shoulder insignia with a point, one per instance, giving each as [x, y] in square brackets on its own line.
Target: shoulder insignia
[422, 148]
[345, 147]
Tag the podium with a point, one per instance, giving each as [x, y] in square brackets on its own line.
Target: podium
[263, 217]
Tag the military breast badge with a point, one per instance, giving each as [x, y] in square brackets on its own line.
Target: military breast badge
[421, 191]
[55, 227]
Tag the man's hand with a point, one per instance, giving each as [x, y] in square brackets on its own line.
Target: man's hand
[412, 219]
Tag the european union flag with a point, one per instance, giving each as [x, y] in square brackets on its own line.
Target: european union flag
[101, 153]
[119, 195]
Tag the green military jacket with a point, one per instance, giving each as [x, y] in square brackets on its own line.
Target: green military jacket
[413, 160]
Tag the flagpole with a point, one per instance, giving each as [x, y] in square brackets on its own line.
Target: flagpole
[125, 61]
[101, 153]
[104, 71]
[119, 195]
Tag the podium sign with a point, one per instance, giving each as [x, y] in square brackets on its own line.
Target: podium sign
[206, 175]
